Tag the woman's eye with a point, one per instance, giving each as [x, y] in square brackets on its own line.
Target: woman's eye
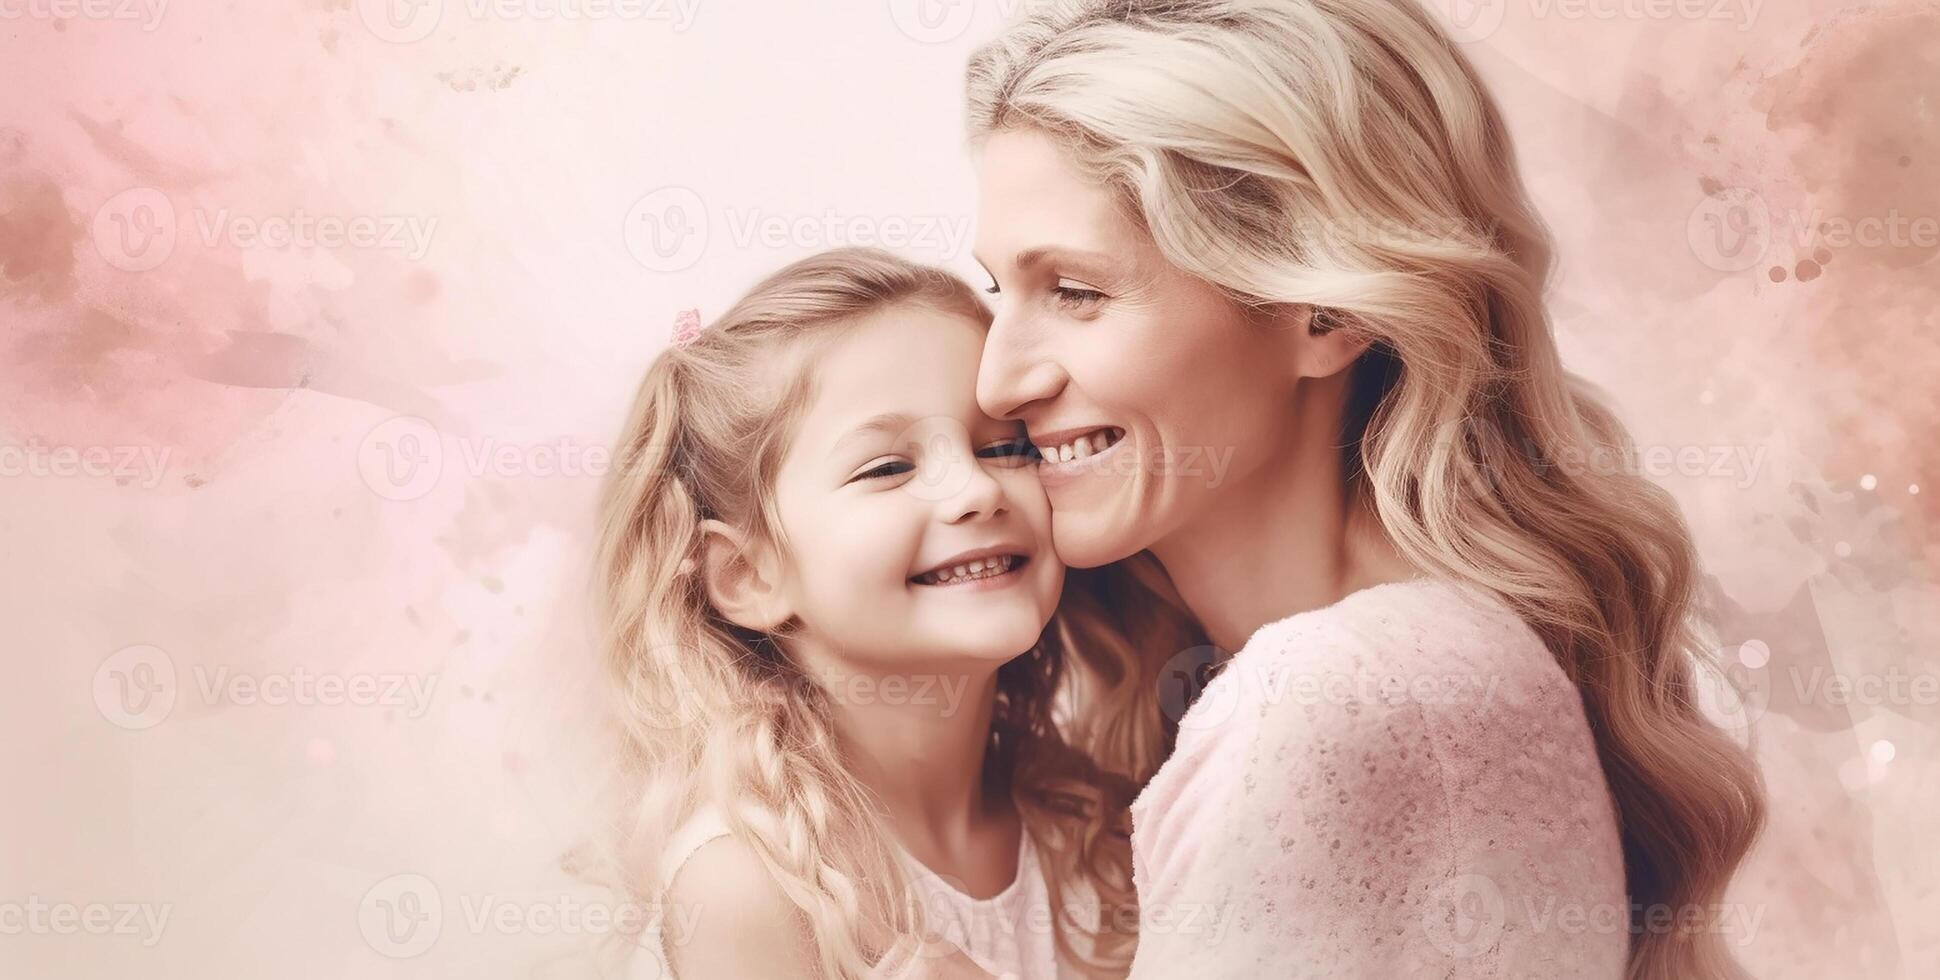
[894, 467]
[1015, 450]
[992, 289]
[1072, 295]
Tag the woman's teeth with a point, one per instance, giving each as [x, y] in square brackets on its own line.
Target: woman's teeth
[969, 571]
[1089, 444]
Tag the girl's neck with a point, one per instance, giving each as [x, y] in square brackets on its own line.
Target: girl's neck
[1286, 538]
[917, 741]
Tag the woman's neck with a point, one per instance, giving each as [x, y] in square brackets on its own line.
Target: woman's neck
[1286, 538]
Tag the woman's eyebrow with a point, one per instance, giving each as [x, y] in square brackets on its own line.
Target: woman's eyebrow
[1041, 253]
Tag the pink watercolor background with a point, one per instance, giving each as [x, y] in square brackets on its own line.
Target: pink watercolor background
[371, 458]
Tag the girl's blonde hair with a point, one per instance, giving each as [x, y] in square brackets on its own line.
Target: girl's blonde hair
[1343, 154]
[716, 714]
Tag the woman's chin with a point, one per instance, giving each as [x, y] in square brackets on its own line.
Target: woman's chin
[1090, 538]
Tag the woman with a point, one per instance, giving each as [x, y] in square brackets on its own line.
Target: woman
[1268, 298]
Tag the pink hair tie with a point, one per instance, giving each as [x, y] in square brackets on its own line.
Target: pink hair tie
[687, 326]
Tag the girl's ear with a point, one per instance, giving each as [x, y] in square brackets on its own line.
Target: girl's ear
[1318, 345]
[743, 578]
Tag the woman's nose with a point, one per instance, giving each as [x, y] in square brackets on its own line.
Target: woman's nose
[1015, 371]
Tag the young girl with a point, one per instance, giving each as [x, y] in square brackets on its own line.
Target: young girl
[827, 582]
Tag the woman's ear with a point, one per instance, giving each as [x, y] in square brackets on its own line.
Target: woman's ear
[1320, 348]
[742, 577]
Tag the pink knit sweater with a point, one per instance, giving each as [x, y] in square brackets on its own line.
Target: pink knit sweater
[1399, 785]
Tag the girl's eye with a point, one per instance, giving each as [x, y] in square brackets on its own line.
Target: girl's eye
[992, 289]
[894, 467]
[1012, 451]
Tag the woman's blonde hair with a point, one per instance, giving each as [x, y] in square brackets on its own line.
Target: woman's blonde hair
[1344, 155]
[715, 714]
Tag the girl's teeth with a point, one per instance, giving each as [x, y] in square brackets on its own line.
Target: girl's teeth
[981, 568]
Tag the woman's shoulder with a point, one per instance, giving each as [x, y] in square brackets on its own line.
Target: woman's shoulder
[1427, 680]
[1427, 648]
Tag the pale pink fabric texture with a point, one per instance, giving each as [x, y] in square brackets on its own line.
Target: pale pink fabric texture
[1402, 784]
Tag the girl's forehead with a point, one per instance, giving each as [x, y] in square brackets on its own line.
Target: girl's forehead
[907, 360]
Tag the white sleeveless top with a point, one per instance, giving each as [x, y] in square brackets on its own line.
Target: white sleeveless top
[1010, 935]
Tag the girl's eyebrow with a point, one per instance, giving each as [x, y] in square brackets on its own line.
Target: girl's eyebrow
[884, 422]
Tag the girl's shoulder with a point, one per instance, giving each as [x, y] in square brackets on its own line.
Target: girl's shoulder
[704, 827]
[748, 916]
